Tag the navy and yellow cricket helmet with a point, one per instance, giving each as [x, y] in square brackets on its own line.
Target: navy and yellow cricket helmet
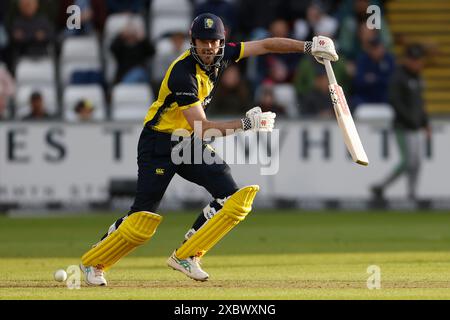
[208, 26]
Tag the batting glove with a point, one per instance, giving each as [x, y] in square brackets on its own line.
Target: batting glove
[321, 48]
[257, 120]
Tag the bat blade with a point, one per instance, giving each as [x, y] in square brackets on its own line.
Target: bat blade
[347, 125]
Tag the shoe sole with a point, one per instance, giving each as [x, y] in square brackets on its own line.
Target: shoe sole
[184, 272]
[86, 280]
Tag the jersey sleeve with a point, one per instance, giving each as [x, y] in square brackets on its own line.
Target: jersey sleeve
[234, 51]
[184, 89]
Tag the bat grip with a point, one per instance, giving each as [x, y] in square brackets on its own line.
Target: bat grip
[330, 72]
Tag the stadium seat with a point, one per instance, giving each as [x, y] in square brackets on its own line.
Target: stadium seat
[372, 111]
[22, 99]
[163, 24]
[131, 101]
[113, 25]
[35, 72]
[116, 22]
[285, 95]
[85, 48]
[163, 57]
[78, 54]
[94, 93]
[163, 46]
[172, 7]
[67, 69]
[169, 16]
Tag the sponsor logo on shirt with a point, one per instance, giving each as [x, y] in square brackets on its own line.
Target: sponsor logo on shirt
[191, 94]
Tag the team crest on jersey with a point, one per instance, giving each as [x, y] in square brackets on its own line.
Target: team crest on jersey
[209, 23]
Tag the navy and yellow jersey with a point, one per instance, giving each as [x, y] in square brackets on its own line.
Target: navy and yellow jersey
[185, 84]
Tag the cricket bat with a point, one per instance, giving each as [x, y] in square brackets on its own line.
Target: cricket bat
[345, 119]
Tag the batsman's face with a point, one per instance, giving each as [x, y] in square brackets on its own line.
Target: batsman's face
[207, 50]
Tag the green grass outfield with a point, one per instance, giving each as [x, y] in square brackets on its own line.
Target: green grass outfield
[271, 255]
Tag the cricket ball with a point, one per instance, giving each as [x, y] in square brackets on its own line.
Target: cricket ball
[60, 275]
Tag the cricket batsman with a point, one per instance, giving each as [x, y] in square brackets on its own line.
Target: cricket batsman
[186, 90]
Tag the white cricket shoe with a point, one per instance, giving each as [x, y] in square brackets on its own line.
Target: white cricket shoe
[189, 266]
[93, 276]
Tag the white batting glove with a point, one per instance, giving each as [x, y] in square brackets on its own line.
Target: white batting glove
[253, 111]
[321, 48]
[257, 120]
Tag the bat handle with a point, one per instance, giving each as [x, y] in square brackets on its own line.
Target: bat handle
[330, 72]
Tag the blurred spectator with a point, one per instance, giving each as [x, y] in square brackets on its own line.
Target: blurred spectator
[406, 97]
[84, 110]
[343, 8]
[265, 98]
[331, 6]
[298, 9]
[373, 70]
[351, 35]
[37, 106]
[306, 73]
[3, 108]
[3, 42]
[167, 50]
[233, 94]
[93, 16]
[317, 22]
[255, 16]
[129, 6]
[132, 51]
[277, 68]
[317, 102]
[7, 90]
[3, 10]
[224, 9]
[31, 32]
[3, 34]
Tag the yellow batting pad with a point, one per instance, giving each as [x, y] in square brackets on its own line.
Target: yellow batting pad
[135, 230]
[234, 211]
